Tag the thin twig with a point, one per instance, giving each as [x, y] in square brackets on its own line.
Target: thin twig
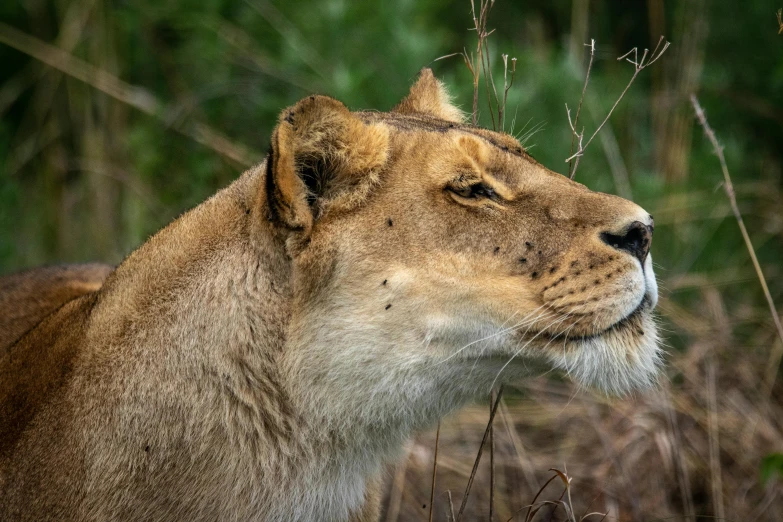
[530, 513]
[566, 493]
[478, 455]
[491, 461]
[780, 21]
[532, 504]
[581, 100]
[479, 25]
[482, 61]
[506, 87]
[451, 507]
[486, 5]
[487, 83]
[434, 470]
[639, 66]
[729, 188]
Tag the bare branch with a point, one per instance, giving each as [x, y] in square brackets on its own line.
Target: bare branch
[581, 100]
[447, 56]
[491, 460]
[639, 66]
[506, 86]
[481, 61]
[434, 471]
[478, 455]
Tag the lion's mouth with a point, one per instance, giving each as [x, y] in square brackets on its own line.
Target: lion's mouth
[622, 323]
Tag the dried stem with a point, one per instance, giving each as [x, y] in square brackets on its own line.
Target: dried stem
[478, 455]
[488, 81]
[434, 470]
[506, 86]
[729, 188]
[452, 518]
[639, 66]
[780, 21]
[568, 505]
[491, 461]
[530, 512]
[579, 108]
[482, 61]
[482, 54]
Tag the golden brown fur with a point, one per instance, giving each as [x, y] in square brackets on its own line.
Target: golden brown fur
[27, 297]
[263, 357]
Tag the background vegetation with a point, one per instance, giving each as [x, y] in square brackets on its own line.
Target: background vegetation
[117, 116]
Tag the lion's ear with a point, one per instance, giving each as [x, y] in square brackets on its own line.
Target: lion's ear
[429, 97]
[322, 156]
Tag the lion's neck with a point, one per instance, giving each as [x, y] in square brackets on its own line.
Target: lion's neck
[366, 394]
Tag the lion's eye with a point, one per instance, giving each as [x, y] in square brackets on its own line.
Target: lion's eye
[475, 191]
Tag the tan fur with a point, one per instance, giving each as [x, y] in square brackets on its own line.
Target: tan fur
[429, 97]
[265, 355]
[27, 297]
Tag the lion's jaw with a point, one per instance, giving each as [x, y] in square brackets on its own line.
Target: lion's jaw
[374, 375]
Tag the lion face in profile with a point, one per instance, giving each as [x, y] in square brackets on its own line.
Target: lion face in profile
[438, 245]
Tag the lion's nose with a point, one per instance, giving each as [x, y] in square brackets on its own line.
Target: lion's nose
[635, 239]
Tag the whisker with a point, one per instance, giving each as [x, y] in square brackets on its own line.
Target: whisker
[554, 323]
[530, 325]
[500, 332]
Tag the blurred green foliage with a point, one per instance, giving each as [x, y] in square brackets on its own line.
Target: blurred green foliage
[86, 177]
[771, 467]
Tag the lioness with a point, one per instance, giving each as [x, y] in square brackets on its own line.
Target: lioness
[263, 356]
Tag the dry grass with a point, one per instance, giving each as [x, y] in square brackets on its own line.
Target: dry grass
[656, 456]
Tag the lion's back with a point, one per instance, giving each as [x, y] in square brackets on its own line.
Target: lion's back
[43, 316]
[26, 298]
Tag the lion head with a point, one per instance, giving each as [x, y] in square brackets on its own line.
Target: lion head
[441, 258]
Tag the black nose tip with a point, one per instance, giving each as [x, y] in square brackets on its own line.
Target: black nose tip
[635, 240]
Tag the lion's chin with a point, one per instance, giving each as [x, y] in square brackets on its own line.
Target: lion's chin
[621, 360]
